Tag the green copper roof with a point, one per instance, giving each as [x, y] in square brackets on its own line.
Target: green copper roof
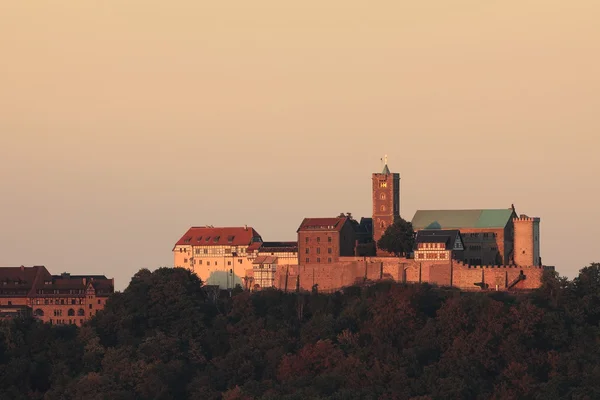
[386, 170]
[456, 219]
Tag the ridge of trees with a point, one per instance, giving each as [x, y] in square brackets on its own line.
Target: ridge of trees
[163, 338]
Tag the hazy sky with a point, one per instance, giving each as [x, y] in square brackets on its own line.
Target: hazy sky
[122, 123]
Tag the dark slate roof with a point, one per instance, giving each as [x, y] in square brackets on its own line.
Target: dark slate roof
[448, 237]
[386, 170]
[275, 247]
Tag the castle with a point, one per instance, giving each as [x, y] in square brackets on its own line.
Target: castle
[493, 249]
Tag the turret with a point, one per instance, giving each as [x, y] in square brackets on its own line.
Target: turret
[527, 241]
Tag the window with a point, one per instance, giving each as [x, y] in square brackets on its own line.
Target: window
[307, 250]
[185, 260]
[382, 196]
[329, 260]
[71, 312]
[318, 250]
[205, 251]
[81, 313]
[199, 262]
[382, 184]
[239, 260]
[329, 251]
[208, 263]
[318, 259]
[329, 239]
[228, 262]
[382, 208]
[90, 306]
[99, 301]
[306, 240]
[318, 239]
[307, 259]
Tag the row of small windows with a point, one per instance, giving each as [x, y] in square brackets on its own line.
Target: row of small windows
[432, 246]
[485, 234]
[58, 313]
[479, 248]
[329, 250]
[329, 260]
[64, 321]
[199, 262]
[318, 238]
[432, 256]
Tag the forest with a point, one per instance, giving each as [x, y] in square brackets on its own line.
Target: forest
[164, 337]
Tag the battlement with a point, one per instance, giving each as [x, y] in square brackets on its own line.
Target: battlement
[501, 267]
[525, 218]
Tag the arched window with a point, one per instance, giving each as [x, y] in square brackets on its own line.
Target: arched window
[382, 208]
[38, 312]
[81, 312]
[382, 196]
[71, 312]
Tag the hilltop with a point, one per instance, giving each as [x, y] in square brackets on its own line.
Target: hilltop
[165, 338]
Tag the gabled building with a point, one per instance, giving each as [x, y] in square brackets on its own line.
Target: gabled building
[285, 252]
[439, 244]
[57, 299]
[263, 272]
[325, 240]
[219, 256]
[489, 235]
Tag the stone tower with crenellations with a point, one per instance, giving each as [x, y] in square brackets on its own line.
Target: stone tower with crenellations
[386, 201]
[527, 241]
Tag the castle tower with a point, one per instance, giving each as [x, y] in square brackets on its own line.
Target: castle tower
[527, 241]
[386, 201]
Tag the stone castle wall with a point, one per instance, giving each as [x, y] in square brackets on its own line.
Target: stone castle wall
[352, 270]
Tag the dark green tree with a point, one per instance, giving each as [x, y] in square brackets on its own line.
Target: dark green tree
[399, 238]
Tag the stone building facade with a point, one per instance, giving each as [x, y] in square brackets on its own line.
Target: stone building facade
[57, 299]
[224, 256]
[325, 240]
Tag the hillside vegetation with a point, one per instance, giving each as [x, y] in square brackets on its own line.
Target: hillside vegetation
[162, 338]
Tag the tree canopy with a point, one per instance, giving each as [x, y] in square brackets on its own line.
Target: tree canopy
[162, 338]
[398, 239]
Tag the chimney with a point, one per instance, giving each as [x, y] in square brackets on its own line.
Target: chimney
[245, 227]
[22, 268]
[84, 281]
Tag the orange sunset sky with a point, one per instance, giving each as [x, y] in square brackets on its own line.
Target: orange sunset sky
[122, 123]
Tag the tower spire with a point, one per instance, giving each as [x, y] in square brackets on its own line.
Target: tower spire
[386, 170]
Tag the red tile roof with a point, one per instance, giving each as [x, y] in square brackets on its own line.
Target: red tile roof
[322, 224]
[220, 236]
